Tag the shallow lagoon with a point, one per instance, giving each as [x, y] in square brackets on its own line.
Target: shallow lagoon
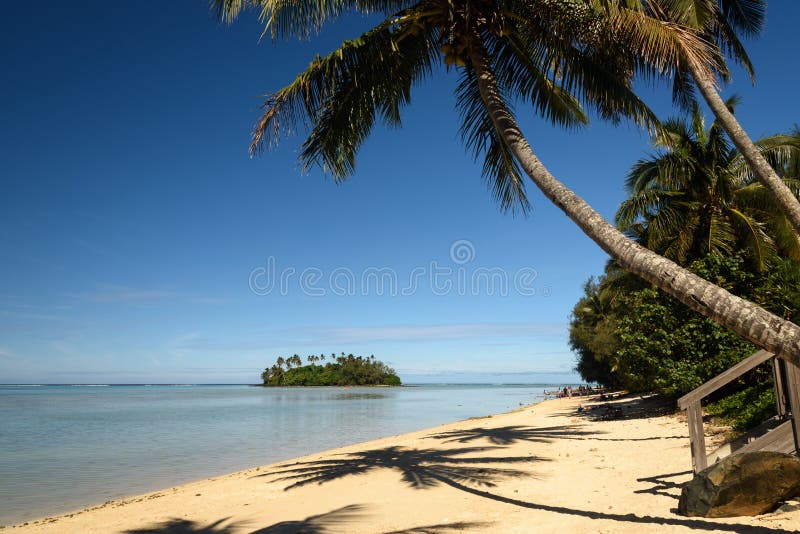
[67, 447]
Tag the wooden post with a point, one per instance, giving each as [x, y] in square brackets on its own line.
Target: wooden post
[697, 436]
[780, 394]
[793, 387]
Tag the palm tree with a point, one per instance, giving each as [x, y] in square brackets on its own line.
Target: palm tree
[280, 362]
[265, 376]
[592, 330]
[276, 371]
[692, 197]
[548, 54]
[719, 21]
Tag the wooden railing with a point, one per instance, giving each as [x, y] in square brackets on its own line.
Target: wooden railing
[786, 377]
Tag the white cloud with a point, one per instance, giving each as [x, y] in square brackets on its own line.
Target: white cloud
[113, 293]
[118, 293]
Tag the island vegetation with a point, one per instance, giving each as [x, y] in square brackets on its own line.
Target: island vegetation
[343, 370]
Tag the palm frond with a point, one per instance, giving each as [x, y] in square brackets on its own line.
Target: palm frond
[720, 237]
[302, 18]
[721, 22]
[229, 10]
[663, 38]
[676, 134]
[500, 168]
[674, 234]
[756, 197]
[781, 151]
[341, 95]
[595, 56]
[746, 16]
[692, 13]
[683, 93]
[521, 67]
[757, 242]
[644, 206]
[787, 242]
[643, 173]
[732, 47]
[676, 171]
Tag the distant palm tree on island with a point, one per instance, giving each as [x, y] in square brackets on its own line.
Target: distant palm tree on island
[341, 371]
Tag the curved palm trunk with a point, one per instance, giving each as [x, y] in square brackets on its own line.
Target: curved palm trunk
[750, 321]
[762, 170]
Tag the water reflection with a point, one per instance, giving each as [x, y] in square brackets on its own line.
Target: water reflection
[359, 396]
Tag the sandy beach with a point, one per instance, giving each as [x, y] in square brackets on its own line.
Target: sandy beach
[543, 468]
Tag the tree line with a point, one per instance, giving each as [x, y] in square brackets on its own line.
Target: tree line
[342, 370]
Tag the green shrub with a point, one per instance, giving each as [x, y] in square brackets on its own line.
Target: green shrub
[747, 408]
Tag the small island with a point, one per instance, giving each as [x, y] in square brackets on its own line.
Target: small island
[341, 370]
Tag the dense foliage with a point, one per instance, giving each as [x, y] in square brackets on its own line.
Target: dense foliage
[746, 408]
[642, 339]
[341, 370]
[692, 201]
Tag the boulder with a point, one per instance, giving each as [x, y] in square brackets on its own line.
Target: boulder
[750, 483]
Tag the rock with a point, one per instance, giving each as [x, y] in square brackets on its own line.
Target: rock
[751, 483]
[789, 506]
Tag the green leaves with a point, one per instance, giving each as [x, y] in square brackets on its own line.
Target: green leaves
[341, 95]
[695, 195]
[500, 168]
[746, 16]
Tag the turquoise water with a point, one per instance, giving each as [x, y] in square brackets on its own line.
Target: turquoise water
[67, 447]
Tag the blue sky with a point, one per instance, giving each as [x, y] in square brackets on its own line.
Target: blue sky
[138, 235]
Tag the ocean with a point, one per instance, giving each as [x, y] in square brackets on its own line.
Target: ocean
[68, 447]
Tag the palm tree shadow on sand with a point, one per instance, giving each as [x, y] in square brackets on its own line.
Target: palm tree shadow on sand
[333, 521]
[426, 468]
[662, 485]
[187, 526]
[442, 528]
[420, 468]
[508, 435]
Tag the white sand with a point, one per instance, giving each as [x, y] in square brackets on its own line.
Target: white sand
[540, 469]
